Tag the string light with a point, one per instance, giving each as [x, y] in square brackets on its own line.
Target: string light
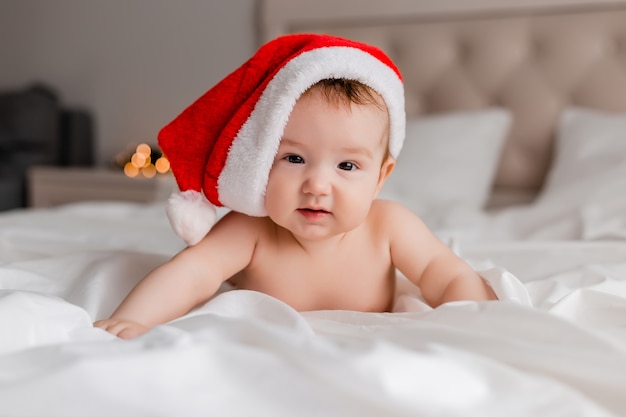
[130, 170]
[162, 165]
[141, 162]
[149, 171]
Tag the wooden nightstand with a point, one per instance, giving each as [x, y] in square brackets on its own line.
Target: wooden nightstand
[52, 186]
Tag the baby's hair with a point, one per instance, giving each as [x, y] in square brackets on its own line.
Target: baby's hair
[345, 91]
[348, 91]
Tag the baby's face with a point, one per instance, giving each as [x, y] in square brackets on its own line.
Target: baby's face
[329, 168]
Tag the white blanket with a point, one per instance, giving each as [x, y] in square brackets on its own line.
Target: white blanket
[245, 353]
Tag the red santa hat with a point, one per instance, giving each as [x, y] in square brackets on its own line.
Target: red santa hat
[221, 148]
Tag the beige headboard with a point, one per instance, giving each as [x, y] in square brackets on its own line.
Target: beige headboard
[533, 56]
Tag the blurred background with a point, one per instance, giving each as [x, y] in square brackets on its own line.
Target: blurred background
[84, 81]
[134, 64]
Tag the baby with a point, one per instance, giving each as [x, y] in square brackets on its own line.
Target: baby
[322, 239]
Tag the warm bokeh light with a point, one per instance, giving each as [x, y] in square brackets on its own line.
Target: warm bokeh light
[138, 160]
[149, 171]
[162, 165]
[142, 159]
[144, 149]
[130, 169]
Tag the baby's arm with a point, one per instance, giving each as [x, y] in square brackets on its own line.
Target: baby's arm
[431, 265]
[187, 280]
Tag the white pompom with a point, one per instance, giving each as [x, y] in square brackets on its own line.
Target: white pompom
[191, 215]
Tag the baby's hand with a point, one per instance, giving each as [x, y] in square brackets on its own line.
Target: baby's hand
[123, 329]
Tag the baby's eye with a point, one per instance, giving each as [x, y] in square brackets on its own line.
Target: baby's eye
[294, 159]
[347, 166]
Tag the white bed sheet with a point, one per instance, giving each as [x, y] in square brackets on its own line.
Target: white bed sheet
[245, 353]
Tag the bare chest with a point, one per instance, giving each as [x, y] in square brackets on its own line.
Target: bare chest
[361, 279]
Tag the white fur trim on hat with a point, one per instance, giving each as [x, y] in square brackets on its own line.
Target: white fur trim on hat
[244, 178]
[191, 215]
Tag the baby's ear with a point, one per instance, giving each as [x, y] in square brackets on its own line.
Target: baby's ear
[385, 171]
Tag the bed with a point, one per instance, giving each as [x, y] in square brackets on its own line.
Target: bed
[519, 108]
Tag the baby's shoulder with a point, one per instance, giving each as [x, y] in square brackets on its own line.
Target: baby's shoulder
[382, 209]
[392, 216]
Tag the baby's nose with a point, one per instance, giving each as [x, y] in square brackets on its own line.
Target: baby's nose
[317, 182]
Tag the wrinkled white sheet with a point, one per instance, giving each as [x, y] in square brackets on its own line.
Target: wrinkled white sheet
[244, 353]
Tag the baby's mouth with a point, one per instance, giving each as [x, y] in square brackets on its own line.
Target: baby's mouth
[312, 213]
[314, 210]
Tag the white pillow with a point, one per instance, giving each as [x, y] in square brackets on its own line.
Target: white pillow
[589, 143]
[448, 161]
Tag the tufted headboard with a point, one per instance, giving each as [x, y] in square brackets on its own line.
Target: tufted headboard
[535, 57]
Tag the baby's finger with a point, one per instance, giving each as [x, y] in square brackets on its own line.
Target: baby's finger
[104, 324]
[131, 332]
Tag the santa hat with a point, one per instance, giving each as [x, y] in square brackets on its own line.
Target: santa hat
[222, 147]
